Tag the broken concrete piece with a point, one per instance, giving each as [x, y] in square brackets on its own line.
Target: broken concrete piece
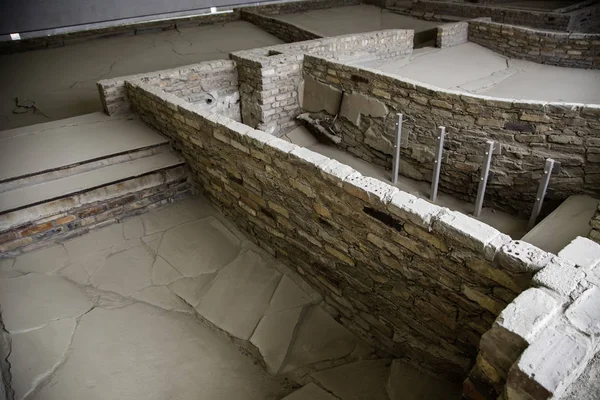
[45, 261]
[356, 104]
[199, 247]
[162, 297]
[192, 289]
[240, 295]
[163, 273]
[125, 273]
[176, 214]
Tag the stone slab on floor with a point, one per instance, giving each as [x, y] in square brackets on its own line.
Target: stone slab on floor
[360, 380]
[310, 392]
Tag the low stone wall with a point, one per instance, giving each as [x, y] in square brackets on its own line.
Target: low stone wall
[595, 224]
[586, 19]
[45, 224]
[415, 279]
[285, 31]
[535, 19]
[213, 84]
[543, 340]
[528, 132]
[449, 35]
[555, 48]
[270, 77]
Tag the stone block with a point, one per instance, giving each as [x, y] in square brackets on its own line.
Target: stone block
[518, 256]
[583, 252]
[413, 209]
[321, 97]
[560, 275]
[465, 230]
[584, 313]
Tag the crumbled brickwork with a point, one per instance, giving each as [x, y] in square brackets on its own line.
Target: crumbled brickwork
[413, 278]
[270, 77]
[61, 219]
[529, 132]
[563, 49]
[211, 84]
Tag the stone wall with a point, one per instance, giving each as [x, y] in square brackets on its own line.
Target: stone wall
[285, 31]
[213, 84]
[555, 48]
[586, 19]
[528, 131]
[595, 224]
[415, 279]
[270, 77]
[449, 35]
[61, 219]
[535, 19]
[299, 6]
[544, 339]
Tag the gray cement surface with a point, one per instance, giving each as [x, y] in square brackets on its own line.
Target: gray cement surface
[353, 19]
[474, 69]
[61, 81]
[504, 222]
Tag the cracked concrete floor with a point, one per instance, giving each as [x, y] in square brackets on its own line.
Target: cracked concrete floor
[61, 81]
[143, 309]
[472, 68]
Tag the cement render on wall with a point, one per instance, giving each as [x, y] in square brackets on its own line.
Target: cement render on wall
[413, 278]
[529, 132]
[563, 49]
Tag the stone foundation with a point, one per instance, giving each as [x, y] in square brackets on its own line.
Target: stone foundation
[577, 50]
[211, 84]
[58, 220]
[417, 280]
[528, 131]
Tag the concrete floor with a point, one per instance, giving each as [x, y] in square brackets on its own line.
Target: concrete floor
[474, 69]
[61, 81]
[353, 19]
[504, 222]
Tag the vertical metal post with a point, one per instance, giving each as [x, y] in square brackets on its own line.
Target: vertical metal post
[437, 163]
[483, 178]
[541, 192]
[396, 165]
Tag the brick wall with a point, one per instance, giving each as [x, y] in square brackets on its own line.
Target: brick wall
[543, 340]
[270, 77]
[586, 19]
[595, 224]
[449, 35]
[528, 131]
[555, 48]
[415, 279]
[61, 219]
[536, 19]
[299, 6]
[285, 31]
[212, 84]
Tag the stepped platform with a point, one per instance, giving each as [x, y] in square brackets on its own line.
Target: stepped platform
[59, 177]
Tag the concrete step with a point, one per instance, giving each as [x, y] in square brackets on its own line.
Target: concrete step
[34, 150]
[46, 191]
[570, 220]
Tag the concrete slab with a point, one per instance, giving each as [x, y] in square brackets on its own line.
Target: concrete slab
[36, 353]
[162, 297]
[192, 289]
[33, 300]
[310, 392]
[139, 352]
[168, 217]
[353, 19]
[45, 261]
[163, 273]
[476, 69]
[240, 294]
[60, 90]
[360, 380]
[569, 220]
[199, 247]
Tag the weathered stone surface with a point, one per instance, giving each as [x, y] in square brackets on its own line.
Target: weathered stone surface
[321, 97]
[275, 331]
[199, 247]
[125, 273]
[180, 356]
[356, 104]
[406, 382]
[162, 297]
[45, 261]
[520, 256]
[31, 301]
[585, 312]
[36, 353]
[359, 380]
[177, 214]
[310, 392]
[192, 289]
[133, 228]
[240, 294]
[163, 273]
[559, 275]
[319, 338]
[583, 252]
